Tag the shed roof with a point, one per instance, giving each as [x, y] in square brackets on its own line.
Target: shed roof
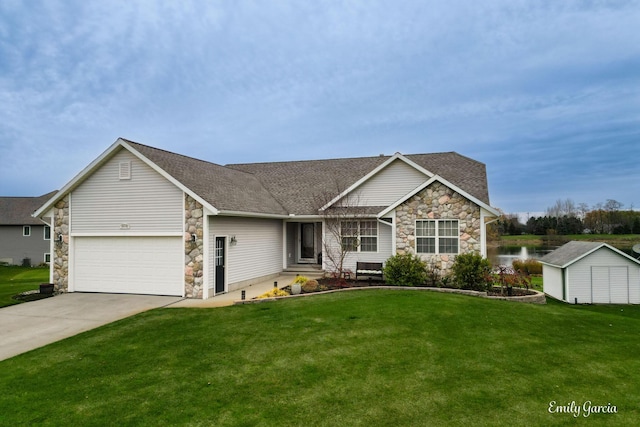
[573, 251]
[18, 210]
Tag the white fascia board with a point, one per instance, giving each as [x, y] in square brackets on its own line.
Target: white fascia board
[79, 178]
[170, 178]
[252, 214]
[491, 211]
[396, 156]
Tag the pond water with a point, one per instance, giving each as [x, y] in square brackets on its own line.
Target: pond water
[504, 255]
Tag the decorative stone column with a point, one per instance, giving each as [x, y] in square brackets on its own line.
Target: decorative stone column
[194, 251]
[61, 248]
[438, 201]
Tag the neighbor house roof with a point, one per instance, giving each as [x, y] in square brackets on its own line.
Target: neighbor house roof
[573, 251]
[286, 188]
[18, 210]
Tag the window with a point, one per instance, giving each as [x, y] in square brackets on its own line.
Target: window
[26, 231]
[437, 236]
[47, 232]
[47, 258]
[359, 236]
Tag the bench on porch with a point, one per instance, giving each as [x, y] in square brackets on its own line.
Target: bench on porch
[369, 269]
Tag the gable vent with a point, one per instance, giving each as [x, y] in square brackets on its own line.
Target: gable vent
[125, 170]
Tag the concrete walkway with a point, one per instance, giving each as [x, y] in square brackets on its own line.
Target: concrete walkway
[251, 291]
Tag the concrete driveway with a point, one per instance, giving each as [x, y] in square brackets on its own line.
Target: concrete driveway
[30, 325]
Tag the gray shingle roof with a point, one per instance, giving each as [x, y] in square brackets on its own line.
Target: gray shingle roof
[570, 252]
[297, 184]
[296, 187]
[18, 210]
[224, 188]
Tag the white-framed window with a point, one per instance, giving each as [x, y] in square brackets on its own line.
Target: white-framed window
[359, 235]
[47, 258]
[26, 231]
[47, 232]
[437, 236]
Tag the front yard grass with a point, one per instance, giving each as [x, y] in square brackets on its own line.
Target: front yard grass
[369, 358]
[15, 279]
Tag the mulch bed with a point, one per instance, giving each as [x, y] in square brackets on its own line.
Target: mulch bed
[30, 296]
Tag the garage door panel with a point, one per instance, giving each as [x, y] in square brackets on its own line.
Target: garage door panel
[140, 265]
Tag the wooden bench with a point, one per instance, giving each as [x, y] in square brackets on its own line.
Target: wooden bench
[369, 269]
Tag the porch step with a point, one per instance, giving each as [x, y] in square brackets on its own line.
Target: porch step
[304, 268]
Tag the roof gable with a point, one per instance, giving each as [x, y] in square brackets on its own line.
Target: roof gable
[574, 251]
[284, 188]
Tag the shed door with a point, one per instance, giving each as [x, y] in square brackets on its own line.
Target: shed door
[600, 285]
[610, 285]
[619, 285]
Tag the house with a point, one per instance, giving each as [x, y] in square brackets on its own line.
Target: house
[24, 240]
[143, 220]
[591, 273]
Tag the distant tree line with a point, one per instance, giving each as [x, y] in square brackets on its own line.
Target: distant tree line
[565, 217]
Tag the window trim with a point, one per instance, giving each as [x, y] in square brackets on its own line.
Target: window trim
[358, 236]
[26, 231]
[44, 233]
[437, 237]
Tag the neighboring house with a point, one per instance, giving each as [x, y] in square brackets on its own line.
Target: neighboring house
[591, 273]
[143, 220]
[24, 240]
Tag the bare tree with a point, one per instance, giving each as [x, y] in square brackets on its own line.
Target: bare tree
[341, 227]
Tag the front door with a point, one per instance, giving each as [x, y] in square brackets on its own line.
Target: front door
[220, 261]
[307, 242]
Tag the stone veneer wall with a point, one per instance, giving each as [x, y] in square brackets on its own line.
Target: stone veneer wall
[61, 249]
[194, 251]
[438, 201]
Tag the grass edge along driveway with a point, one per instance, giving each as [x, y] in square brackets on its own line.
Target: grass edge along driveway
[365, 358]
[16, 279]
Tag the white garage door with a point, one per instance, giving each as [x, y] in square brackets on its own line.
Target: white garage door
[132, 265]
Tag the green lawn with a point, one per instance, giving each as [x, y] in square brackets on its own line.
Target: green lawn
[14, 280]
[368, 358]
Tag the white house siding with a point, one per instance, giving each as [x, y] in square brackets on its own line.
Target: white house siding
[146, 203]
[389, 185]
[257, 253]
[602, 268]
[385, 249]
[552, 281]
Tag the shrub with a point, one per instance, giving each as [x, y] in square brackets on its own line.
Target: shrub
[405, 270]
[472, 271]
[528, 266]
[275, 292]
[300, 280]
[310, 285]
[508, 278]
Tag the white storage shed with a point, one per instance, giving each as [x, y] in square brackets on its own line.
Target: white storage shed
[591, 273]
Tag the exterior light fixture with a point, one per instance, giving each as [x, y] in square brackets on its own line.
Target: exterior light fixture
[193, 237]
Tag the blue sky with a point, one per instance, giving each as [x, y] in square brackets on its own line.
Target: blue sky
[545, 93]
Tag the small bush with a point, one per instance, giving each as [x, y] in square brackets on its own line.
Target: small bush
[528, 266]
[472, 271]
[405, 270]
[310, 286]
[275, 292]
[300, 280]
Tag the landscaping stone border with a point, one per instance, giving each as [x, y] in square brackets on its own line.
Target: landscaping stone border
[537, 298]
